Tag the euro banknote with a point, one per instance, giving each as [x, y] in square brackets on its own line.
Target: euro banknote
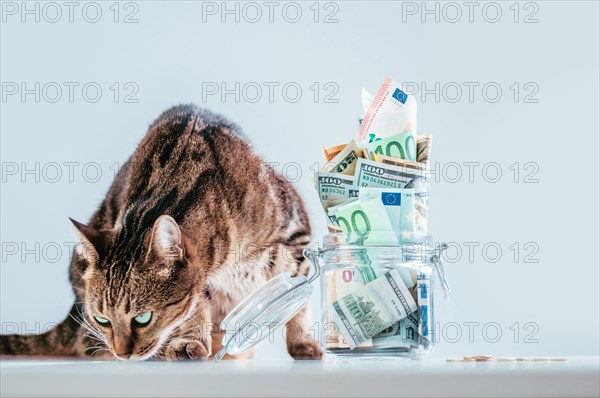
[392, 111]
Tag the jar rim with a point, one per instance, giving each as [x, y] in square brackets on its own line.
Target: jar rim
[350, 240]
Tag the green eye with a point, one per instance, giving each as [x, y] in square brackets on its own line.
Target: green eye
[144, 319]
[102, 321]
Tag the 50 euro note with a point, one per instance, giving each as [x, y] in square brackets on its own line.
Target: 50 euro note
[370, 309]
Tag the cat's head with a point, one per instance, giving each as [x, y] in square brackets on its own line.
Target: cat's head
[139, 288]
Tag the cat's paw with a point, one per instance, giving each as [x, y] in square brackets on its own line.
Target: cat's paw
[186, 349]
[308, 349]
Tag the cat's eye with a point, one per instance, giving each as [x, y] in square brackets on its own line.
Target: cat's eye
[143, 320]
[102, 321]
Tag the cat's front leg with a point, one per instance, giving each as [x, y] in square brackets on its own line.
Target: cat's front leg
[299, 339]
[192, 340]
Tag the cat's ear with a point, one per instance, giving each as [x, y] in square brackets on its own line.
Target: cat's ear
[91, 242]
[166, 241]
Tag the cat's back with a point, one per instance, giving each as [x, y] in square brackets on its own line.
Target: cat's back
[187, 144]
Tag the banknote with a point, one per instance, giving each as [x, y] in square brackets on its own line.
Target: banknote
[401, 163]
[423, 294]
[424, 148]
[405, 333]
[346, 281]
[399, 204]
[370, 173]
[332, 207]
[332, 186]
[421, 187]
[367, 218]
[366, 99]
[345, 161]
[391, 112]
[372, 308]
[401, 146]
[332, 151]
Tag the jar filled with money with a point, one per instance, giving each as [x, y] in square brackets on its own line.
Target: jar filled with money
[377, 299]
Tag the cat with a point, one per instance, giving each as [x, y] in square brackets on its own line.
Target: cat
[192, 224]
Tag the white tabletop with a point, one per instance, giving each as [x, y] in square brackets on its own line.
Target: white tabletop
[578, 376]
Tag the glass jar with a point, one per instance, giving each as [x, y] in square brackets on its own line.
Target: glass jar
[364, 290]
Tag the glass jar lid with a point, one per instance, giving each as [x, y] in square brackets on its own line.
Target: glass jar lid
[265, 310]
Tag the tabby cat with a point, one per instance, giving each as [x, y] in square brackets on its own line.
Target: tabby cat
[193, 223]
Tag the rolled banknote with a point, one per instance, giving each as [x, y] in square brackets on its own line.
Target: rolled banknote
[424, 148]
[402, 146]
[370, 309]
[391, 112]
[345, 161]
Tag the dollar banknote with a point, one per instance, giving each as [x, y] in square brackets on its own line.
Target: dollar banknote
[345, 161]
[372, 308]
[370, 173]
[334, 186]
[346, 281]
[405, 334]
[342, 282]
[402, 163]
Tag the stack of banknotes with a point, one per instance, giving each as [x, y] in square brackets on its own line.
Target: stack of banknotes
[380, 181]
[377, 186]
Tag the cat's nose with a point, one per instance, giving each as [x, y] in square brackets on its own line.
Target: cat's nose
[125, 355]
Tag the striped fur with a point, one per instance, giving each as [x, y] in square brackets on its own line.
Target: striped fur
[232, 223]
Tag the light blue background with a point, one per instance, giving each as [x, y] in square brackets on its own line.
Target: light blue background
[171, 52]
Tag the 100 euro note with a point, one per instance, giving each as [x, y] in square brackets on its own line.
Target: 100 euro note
[399, 203]
[366, 218]
[371, 173]
[372, 308]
